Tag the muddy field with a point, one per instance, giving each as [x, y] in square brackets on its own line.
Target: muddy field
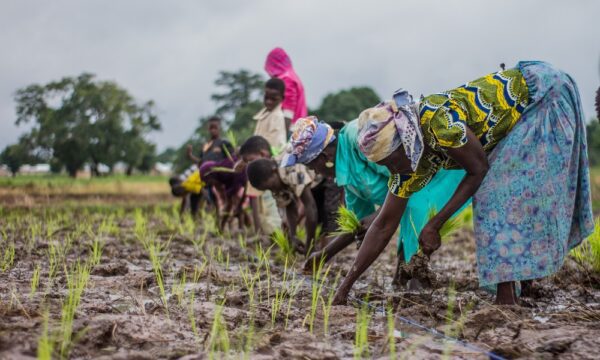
[114, 282]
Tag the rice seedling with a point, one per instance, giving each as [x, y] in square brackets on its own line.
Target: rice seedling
[391, 330]
[347, 221]
[140, 228]
[218, 340]
[279, 297]
[155, 249]
[8, 257]
[588, 252]
[95, 252]
[283, 244]
[179, 288]
[454, 328]
[35, 280]
[361, 337]
[450, 227]
[45, 344]
[326, 304]
[318, 281]
[292, 295]
[192, 316]
[77, 279]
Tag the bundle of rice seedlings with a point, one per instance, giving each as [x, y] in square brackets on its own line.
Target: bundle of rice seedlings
[282, 242]
[347, 221]
[450, 227]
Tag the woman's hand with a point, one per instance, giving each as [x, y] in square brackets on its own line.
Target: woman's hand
[341, 296]
[430, 239]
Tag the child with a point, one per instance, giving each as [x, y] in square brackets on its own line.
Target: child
[216, 149]
[229, 186]
[270, 122]
[188, 186]
[290, 187]
[264, 208]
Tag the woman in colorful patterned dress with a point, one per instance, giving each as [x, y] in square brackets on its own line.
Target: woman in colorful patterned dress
[365, 184]
[519, 135]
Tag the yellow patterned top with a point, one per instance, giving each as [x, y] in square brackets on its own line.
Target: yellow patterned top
[489, 106]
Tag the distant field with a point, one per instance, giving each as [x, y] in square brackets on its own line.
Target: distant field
[34, 190]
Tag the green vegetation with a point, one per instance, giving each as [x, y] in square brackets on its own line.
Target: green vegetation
[588, 252]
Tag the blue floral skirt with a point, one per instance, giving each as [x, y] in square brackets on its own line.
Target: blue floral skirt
[534, 204]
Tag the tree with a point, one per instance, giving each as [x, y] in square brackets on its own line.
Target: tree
[80, 120]
[167, 156]
[243, 123]
[241, 88]
[347, 104]
[16, 155]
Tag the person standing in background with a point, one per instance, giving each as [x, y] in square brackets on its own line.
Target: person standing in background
[279, 65]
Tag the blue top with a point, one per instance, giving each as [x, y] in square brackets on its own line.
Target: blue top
[366, 185]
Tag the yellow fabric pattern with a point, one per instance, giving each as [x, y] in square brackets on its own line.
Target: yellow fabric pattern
[193, 183]
[489, 106]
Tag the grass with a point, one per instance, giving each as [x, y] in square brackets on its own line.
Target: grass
[587, 253]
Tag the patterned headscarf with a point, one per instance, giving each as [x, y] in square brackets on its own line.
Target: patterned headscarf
[308, 140]
[383, 128]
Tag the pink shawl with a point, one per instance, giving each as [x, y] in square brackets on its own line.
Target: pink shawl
[279, 65]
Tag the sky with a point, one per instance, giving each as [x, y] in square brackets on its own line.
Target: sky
[172, 51]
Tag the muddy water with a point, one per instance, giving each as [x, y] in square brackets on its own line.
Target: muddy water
[122, 315]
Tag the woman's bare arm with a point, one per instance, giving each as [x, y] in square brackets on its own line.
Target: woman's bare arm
[376, 239]
[473, 159]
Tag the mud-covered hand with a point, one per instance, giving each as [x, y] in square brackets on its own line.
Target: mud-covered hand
[430, 239]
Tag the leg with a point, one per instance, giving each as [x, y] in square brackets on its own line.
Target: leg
[506, 294]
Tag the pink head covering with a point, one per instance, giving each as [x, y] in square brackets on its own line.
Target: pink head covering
[279, 65]
[278, 62]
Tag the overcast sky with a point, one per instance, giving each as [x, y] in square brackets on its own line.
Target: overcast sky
[171, 51]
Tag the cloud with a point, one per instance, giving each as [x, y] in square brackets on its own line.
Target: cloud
[171, 51]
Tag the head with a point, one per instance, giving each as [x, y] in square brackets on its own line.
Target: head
[274, 93]
[263, 175]
[389, 134]
[177, 188]
[309, 140]
[214, 127]
[277, 62]
[324, 163]
[256, 147]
